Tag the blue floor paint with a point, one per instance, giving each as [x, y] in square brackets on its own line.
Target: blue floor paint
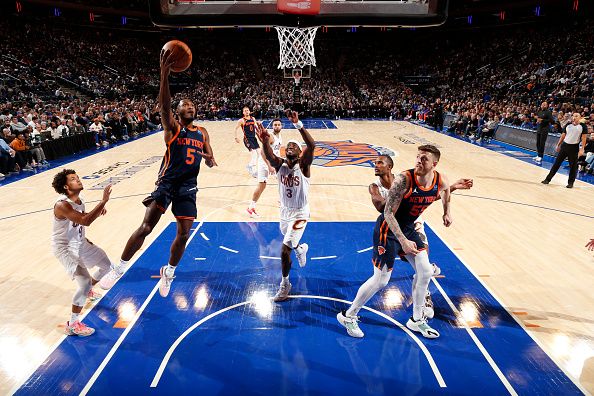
[297, 347]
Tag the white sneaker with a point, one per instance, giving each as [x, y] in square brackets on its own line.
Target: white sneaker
[436, 270]
[350, 324]
[421, 326]
[2, 175]
[109, 279]
[428, 310]
[301, 254]
[166, 281]
[283, 292]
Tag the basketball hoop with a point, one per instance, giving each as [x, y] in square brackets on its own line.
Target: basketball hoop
[296, 47]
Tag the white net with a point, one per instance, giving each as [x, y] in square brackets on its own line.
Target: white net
[296, 46]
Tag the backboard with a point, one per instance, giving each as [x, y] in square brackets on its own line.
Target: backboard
[265, 13]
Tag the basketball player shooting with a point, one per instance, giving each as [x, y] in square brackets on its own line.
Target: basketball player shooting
[293, 175]
[186, 145]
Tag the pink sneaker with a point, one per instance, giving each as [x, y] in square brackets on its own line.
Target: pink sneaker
[79, 329]
[94, 296]
[252, 212]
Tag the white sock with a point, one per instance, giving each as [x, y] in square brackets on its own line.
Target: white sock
[74, 317]
[252, 205]
[121, 267]
[423, 274]
[285, 280]
[170, 270]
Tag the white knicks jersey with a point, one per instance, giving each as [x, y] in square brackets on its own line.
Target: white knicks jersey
[67, 234]
[293, 187]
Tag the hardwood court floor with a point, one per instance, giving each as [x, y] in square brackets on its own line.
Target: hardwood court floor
[522, 239]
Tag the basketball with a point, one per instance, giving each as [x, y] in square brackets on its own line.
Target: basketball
[181, 54]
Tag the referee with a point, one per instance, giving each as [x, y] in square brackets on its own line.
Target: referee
[569, 147]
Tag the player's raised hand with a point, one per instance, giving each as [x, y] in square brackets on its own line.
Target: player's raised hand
[292, 115]
[462, 184]
[167, 61]
[262, 133]
[106, 193]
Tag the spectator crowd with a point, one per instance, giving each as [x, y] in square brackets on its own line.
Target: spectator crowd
[58, 82]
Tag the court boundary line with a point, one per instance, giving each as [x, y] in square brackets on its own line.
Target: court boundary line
[476, 341]
[496, 297]
[177, 342]
[124, 334]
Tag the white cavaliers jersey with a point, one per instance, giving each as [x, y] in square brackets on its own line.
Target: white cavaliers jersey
[382, 190]
[276, 147]
[293, 187]
[67, 234]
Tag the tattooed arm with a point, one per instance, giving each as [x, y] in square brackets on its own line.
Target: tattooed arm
[445, 195]
[395, 195]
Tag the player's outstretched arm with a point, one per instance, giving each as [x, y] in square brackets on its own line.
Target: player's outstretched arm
[64, 210]
[445, 195]
[169, 123]
[308, 153]
[460, 184]
[376, 198]
[237, 128]
[264, 137]
[393, 201]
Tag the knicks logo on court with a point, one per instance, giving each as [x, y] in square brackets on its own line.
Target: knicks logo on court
[381, 250]
[331, 154]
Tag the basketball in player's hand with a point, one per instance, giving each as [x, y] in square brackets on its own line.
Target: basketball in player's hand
[181, 55]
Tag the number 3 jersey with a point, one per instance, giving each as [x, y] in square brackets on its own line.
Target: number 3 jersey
[293, 190]
[181, 162]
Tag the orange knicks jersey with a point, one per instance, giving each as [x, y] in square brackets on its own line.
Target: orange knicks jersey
[416, 199]
[181, 162]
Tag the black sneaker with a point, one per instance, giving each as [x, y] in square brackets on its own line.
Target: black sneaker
[545, 181]
[569, 186]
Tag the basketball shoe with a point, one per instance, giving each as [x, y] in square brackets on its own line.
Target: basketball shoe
[78, 329]
[301, 253]
[350, 323]
[421, 326]
[166, 281]
[252, 212]
[283, 292]
[93, 296]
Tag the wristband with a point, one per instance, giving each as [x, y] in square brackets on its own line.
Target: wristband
[298, 125]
